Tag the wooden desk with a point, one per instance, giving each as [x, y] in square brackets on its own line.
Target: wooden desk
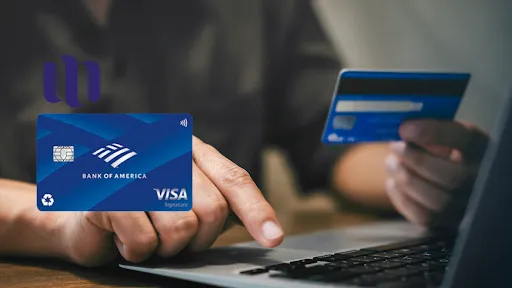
[44, 274]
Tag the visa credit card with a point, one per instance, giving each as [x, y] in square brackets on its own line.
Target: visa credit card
[369, 106]
[114, 162]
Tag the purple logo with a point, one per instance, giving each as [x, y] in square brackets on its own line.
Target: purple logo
[71, 80]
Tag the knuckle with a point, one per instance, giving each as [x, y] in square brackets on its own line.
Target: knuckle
[182, 228]
[234, 176]
[200, 155]
[145, 241]
[186, 226]
[415, 158]
[203, 152]
[216, 213]
[470, 127]
[403, 179]
[175, 234]
[258, 209]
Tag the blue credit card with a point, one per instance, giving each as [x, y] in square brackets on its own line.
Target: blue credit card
[114, 162]
[369, 106]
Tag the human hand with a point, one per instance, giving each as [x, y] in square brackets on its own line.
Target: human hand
[432, 172]
[219, 186]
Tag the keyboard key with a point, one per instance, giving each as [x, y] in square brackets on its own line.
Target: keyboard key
[342, 256]
[305, 272]
[433, 264]
[321, 258]
[364, 269]
[254, 271]
[303, 262]
[366, 259]
[405, 260]
[404, 251]
[429, 255]
[346, 263]
[386, 265]
[283, 267]
[387, 254]
[400, 245]
[408, 264]
[351, 254]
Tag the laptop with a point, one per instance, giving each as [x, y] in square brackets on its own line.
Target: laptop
[388, 254]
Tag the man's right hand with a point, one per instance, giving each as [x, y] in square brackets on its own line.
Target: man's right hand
[433, 171]
[219, 187]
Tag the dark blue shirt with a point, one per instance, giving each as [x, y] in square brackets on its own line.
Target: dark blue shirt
[253, 74]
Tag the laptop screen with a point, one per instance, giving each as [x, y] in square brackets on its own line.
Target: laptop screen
[483, 251]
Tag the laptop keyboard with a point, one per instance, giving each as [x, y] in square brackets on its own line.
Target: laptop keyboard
[416, 263]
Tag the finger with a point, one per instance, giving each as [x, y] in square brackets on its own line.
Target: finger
[413, 212]
[210, 208]
[136, 238]
[467, 138]
[445, 173]
[241, 193]
[423, 192]
[175, 230]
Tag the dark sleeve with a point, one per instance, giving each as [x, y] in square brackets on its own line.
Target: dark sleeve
[18, 88]
[299, 100]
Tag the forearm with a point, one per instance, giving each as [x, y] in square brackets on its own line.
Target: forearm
[24, 230]
[360, 175]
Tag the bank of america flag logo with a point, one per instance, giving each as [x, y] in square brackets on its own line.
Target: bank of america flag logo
[114, 154]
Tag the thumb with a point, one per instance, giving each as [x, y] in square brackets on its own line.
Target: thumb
[429, 132]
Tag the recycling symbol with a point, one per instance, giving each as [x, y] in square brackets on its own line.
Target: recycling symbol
[47, 200]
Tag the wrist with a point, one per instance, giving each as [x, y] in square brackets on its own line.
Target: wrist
[43, 233]
[359, 176]
[24, 230]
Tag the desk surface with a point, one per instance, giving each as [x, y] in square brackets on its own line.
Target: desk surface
[45, 274]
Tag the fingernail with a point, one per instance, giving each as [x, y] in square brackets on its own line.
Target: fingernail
[410, 130]
[397, 147]
[271, 231]
[391, 163]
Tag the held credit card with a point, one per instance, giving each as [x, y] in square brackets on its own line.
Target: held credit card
[114, 162]
[369, 106]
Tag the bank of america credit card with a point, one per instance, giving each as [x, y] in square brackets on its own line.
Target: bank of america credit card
[114, 162]
[369, 106]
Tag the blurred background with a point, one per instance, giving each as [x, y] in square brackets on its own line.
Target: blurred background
[457, 35]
